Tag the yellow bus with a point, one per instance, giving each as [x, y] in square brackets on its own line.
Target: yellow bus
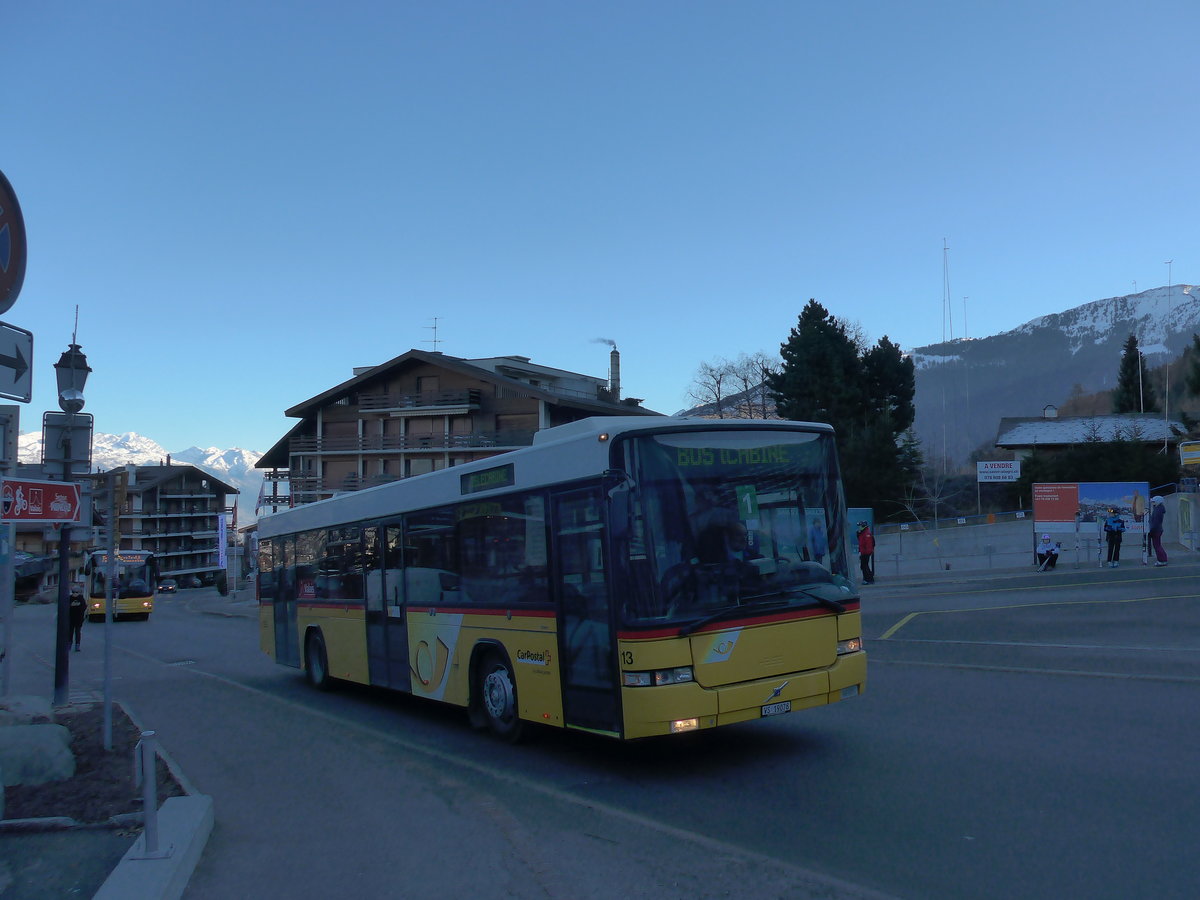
[625, 576]
[134, 574]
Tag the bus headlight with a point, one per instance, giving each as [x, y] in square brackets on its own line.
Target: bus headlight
[678, 675]
[851, 646]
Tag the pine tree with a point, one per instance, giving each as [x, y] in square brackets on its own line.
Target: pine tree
[820, 378]
[866, 394]
[1191, 378]
[1133, 392]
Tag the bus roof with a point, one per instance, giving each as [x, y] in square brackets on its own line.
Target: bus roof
[572, 451]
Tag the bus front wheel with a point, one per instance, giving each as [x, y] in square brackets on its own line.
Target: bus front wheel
[497, 692]
[316, 662]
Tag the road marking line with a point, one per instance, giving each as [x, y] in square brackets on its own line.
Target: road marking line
[1081, 673]
[936, 612]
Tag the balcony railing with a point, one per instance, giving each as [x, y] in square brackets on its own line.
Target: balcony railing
[408, 442]
[423, 400]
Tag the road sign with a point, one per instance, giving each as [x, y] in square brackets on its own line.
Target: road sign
[12, 246]
[63, 432]
[16, 362]
[39, 501]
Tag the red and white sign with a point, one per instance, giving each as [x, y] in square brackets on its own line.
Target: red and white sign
[39, 501]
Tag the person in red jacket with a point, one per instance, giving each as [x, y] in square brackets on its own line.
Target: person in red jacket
[866, 553]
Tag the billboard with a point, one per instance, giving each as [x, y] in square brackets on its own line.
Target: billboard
[1065, 507]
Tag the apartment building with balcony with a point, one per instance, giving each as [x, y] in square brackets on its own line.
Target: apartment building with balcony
[176, 512]
[423, 411]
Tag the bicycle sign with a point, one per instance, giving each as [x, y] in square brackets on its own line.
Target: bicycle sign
[39, 501]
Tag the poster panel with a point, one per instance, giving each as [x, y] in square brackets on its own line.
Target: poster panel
[1058, 508]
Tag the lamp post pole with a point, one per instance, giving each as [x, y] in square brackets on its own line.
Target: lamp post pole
[72, 371]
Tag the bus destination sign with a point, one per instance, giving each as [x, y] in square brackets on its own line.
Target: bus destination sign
[488, 479]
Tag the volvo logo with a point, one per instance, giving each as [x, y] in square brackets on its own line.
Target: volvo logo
[779, 690]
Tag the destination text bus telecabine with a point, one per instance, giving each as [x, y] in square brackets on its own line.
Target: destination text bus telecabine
[625, 576]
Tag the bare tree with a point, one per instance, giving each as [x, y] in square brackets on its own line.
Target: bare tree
[736, 388]
[748, 383]
[708, 387]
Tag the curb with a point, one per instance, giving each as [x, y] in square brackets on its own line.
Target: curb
[184, 824]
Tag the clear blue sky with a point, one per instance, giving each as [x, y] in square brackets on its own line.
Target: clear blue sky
[246, 199]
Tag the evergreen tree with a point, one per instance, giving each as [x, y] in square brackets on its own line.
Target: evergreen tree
[1191, 377]
[866, 394]
[1133, 392]
[820, 378]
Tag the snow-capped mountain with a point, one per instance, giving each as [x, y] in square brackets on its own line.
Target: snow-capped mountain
[964, 387]
[234, 467]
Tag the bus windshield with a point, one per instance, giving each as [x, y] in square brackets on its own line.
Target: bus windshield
[135, 576]
[725, 520]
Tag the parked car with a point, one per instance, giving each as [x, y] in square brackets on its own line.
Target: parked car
[167, 586]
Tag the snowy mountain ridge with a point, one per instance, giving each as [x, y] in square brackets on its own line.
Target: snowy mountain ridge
[964, 387]
[234, 466]
[1163, 318]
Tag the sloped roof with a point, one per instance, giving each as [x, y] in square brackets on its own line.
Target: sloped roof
[465, 367]
[1037, 431]
[153, 476]
[277, 456]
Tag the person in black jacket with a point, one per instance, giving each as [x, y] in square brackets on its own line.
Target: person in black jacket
[1158, 512]
[77, 609]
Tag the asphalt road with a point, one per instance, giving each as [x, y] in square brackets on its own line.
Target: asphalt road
[1023, 737]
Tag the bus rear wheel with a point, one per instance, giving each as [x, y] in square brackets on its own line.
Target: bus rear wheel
[496, 690]
[316, 662]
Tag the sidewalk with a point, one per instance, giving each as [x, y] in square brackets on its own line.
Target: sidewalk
[59, 857]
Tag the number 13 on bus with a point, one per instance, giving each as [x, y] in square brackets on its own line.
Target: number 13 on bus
[629, 577]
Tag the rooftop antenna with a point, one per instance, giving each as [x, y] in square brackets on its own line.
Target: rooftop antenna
[1167, 370]
[946, 315]
[434, 328]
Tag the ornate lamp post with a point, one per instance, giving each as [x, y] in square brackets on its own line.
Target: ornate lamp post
[71, 371]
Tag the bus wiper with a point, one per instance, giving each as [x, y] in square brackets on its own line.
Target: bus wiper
[748, 607]
[827, 602]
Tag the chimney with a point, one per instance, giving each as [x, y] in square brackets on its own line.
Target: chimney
[614, 374]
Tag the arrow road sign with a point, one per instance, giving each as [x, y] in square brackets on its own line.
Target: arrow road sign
[39, 501]
[16, 362]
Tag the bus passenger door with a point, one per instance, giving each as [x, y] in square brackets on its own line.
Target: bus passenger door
[387, 640]
[377, 665]
[589, 673]
[287, 642]
[395, 610]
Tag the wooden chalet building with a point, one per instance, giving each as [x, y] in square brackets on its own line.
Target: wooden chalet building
[424, 411]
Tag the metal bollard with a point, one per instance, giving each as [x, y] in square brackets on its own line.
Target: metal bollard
[145, 774]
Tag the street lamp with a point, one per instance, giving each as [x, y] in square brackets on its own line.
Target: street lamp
[71, 371]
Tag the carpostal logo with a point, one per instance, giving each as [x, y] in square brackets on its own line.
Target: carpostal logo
[534, 657]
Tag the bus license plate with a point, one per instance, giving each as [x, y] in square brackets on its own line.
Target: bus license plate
[775, 709]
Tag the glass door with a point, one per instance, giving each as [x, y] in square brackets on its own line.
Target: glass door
[586, 648]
